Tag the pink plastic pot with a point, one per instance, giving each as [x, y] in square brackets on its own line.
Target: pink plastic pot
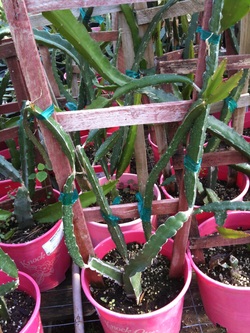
[99, 231]
[247, 119]
[45, 258]
[28, 285]
[110, 130]
[4, 150]
[225, 305]
[167, 319]
[154, 148]
[242, 182]
[5, 153]
[7, 186]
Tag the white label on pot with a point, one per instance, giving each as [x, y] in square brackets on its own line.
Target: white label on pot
[54, 241]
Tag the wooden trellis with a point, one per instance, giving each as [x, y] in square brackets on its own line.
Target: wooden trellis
[18, 15]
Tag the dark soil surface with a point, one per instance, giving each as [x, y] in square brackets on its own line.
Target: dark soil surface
[223, 190]
[157, 288]
[13, 234]
[228, 264]
[21, 307]
[22, 236]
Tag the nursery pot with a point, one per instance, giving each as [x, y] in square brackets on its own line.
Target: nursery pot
[28, 285]
[225, 305]
[247, 119]
[7, 186]
[166, 319]
[154, 148]
[99, 231]
[45, 258]
[242, 182]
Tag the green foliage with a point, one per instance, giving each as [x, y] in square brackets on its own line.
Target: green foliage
[68, 26]
[231, 233]
[233, 12]
[76, 42]
[7, 266]
[8, 170]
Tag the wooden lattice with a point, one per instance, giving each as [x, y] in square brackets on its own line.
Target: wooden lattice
[32, 71]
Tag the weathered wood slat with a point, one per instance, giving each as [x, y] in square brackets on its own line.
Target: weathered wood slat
[165, 206]
[144, 16]
[226, 157]
[37, 6]
[122, 116]
[9, 108]
[187, 66]
[9, 133]
[37, 20]
[130, 115]
[7, 49]
[185, 7]
[216, 240]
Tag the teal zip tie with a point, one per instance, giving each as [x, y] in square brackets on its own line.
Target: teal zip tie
[20, 120]
[99, 19]
[117, 200]
[110, 219]
[133, 74]
[46, 113]
[191, 165]
[71, 106]
[145, 213]
[231, 104]
[68, 198]
[208, 36]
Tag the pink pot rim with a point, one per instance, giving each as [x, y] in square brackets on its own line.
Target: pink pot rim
[20, 245]
[104, 225]
[51, 230]
[145, 315]
[215, 282]
[197, 270]
[151, 142]
[37, 298]
[242, 193]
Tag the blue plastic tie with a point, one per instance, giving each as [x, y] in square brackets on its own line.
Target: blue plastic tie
[71, 106]
[46, 113]
[110, 219]
[68, 198]
[145, 213]
[231, 103]
[117, 200]
[208, 36]
[99, 19]
[191, 165]
[20, 119]
[133, 74]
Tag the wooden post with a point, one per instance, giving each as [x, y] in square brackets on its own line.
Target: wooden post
[35, 80]
[181, 239]
[239, 114]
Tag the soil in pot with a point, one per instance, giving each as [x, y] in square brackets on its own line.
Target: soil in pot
[126, 193]
[228, 264]
[158, 288]
[223, 189]
[21, 306]
[16, 235]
